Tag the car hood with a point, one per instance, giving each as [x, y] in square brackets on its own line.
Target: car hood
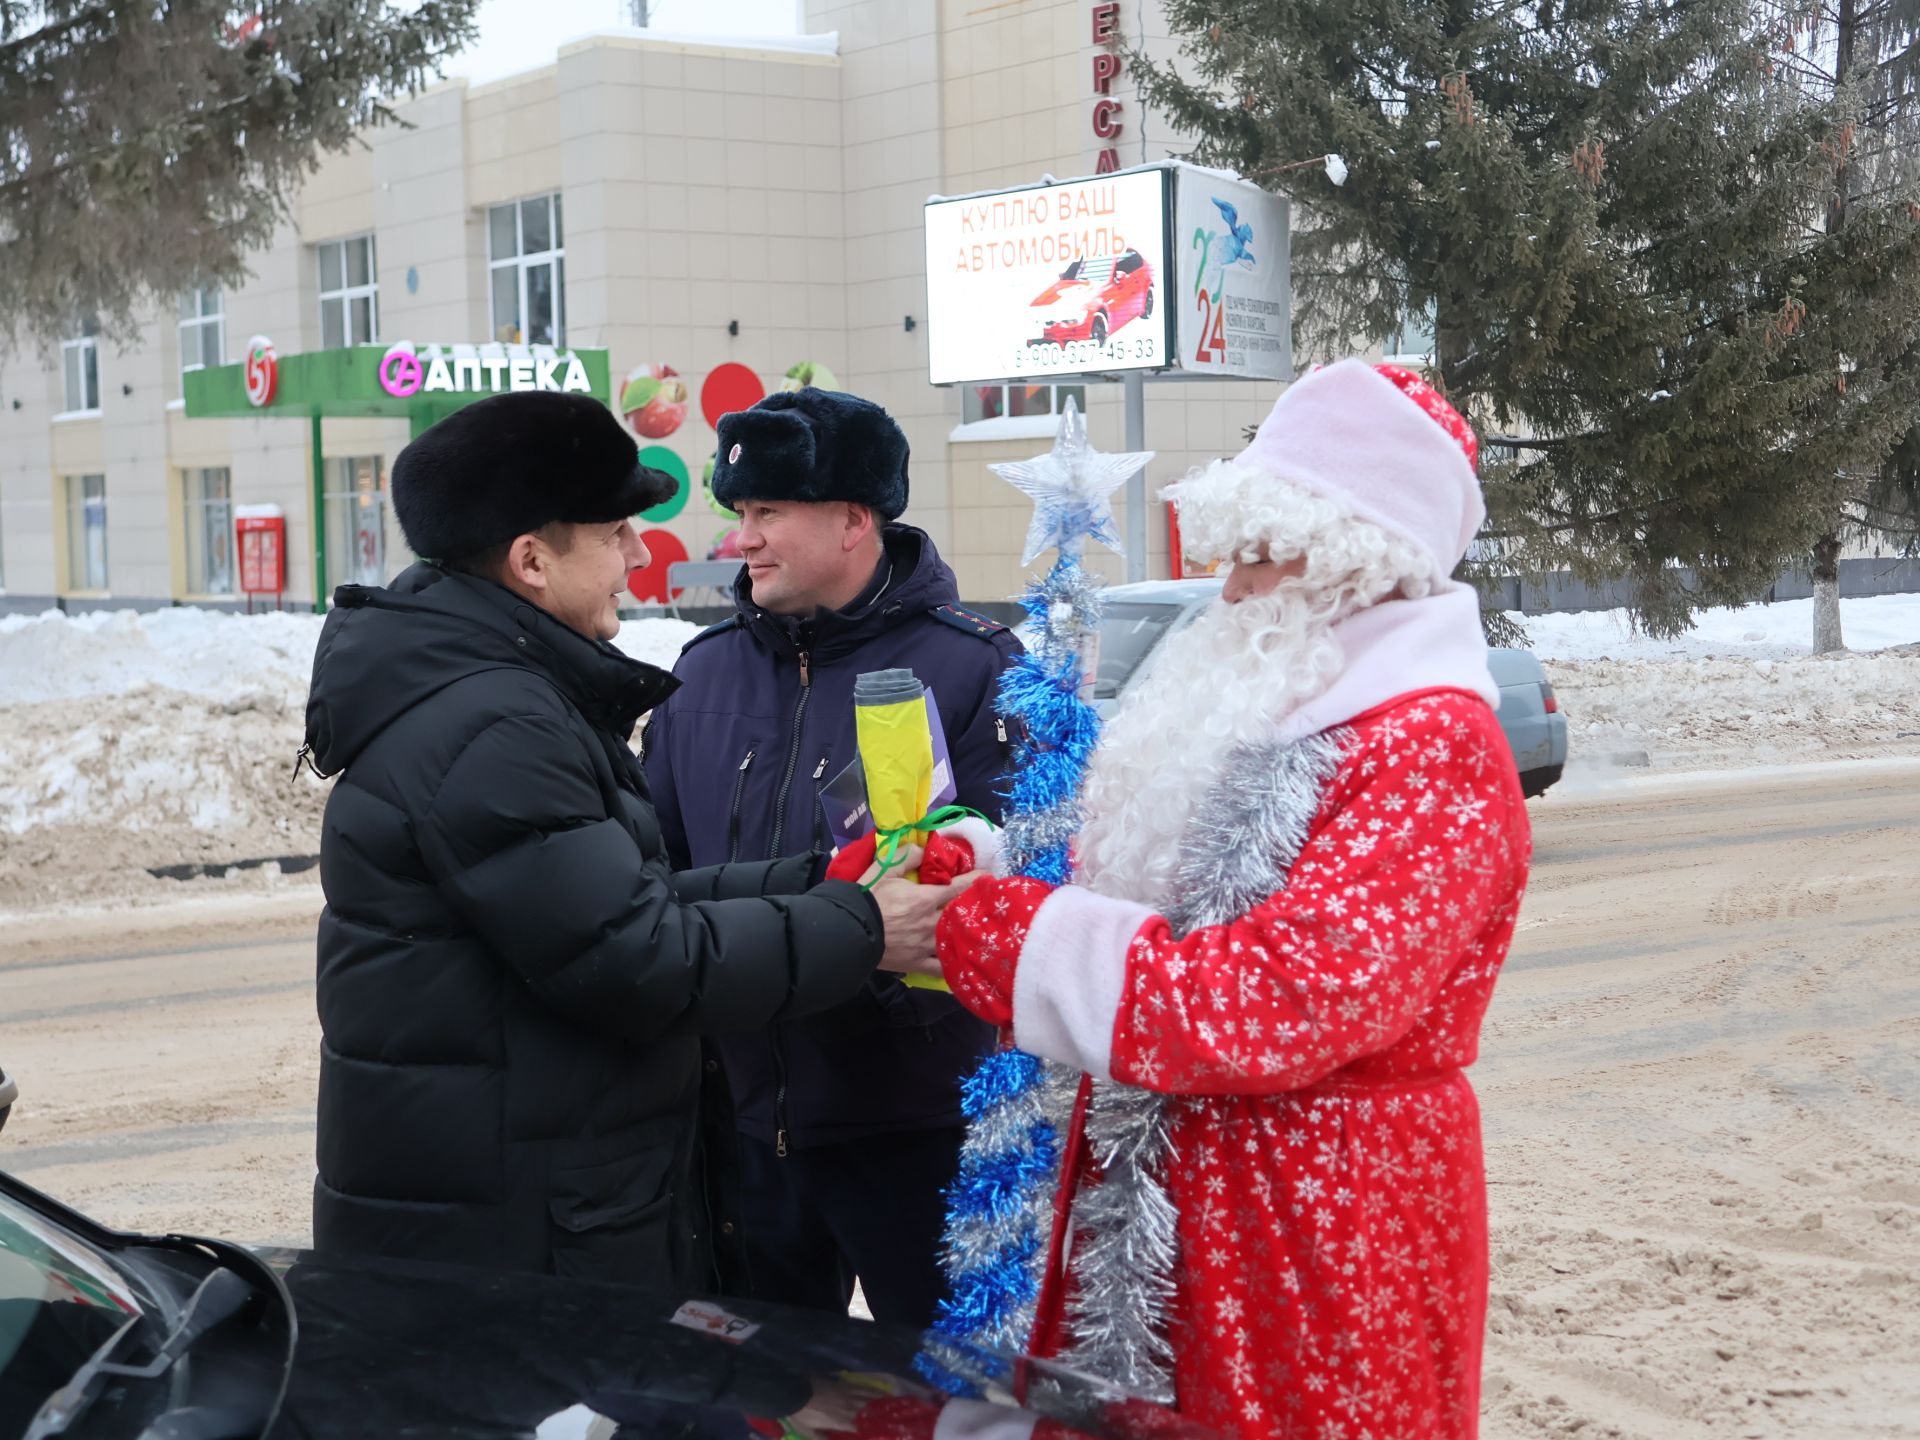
[390, 1348]
[1062, 292]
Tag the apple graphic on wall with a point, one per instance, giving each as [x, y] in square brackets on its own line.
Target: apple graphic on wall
[654, 400]
[809, 372]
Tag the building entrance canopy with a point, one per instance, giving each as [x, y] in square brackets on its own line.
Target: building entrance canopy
[416, 383]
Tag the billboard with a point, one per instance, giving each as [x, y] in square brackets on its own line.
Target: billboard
[1233, 308]
[1173, 269]
[1063, 279]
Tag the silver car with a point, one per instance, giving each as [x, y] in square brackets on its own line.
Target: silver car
[1138, 617]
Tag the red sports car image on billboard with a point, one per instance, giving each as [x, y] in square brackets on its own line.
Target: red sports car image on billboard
[1093, 298]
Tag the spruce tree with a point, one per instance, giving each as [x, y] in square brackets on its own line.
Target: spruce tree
[1615, 215]
[146, 148]
[1865, 53]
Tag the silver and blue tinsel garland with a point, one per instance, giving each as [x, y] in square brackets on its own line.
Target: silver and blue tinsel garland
[1000, 1207]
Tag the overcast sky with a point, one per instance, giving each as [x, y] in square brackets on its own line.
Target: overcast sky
[518, 35]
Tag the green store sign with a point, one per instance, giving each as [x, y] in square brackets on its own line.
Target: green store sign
[420, 384]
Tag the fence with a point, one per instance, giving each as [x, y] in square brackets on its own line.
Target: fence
[1562, 591]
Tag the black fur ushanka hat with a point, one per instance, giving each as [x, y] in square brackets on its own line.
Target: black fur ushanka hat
[812, 445]
[508, 464]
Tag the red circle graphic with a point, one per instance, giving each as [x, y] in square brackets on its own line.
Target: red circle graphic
[649, 586]
[730, 387]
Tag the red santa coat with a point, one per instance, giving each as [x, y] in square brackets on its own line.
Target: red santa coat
[1325, 1154]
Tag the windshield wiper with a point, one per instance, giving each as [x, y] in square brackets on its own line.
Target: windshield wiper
[216, 1299]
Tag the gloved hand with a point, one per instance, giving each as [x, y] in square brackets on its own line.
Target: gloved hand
[966, 845]
[852, 860]
[957, 849]
[980, 936]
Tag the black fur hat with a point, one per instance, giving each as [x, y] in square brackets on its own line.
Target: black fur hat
[812, 445]
[511, 463]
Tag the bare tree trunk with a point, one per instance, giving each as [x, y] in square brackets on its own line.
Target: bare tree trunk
[1826, 550]
[1826, 595]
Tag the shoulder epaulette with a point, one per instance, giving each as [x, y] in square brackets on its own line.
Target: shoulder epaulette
[732, 622]
[962, 618]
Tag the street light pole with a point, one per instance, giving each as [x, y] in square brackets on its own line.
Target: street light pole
[1135, 390]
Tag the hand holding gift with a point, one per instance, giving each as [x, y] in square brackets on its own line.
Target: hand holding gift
[890, 812]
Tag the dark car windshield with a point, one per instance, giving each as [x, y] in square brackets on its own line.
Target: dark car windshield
[1128, 632]
[60, 1299]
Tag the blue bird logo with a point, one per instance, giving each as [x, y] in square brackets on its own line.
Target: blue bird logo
[1236, 244]
[1219, 251]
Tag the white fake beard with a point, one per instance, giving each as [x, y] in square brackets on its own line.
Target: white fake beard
[1228, 679]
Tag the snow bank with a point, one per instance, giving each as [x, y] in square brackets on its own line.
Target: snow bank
[204, 653]
[1693, 714]
[209, 654]
[1752, 632]
[134, 740]
[657, 642]
[1741, 688]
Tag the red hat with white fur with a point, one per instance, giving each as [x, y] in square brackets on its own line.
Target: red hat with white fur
[1376, 439]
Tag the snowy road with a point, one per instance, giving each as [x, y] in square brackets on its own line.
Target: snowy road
[1699, 1081]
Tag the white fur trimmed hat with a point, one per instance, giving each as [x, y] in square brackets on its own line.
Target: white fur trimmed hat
[1377, 439]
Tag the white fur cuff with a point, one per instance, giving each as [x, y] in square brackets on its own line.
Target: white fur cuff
[1072, 975]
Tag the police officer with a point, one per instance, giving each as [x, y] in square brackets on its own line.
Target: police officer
[850, 1120]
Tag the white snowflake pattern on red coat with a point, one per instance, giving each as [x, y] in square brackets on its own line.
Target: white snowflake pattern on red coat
[1326, 1148]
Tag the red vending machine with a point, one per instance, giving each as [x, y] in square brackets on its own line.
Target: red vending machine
[261, 532]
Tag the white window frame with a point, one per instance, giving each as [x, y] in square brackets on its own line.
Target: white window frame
[554, 257]
[195, 510]
[347, 293]
[76, 536]
[1017, 427]
[202, 321]
[84, 345]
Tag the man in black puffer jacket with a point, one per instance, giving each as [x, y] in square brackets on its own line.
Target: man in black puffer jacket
[513, 985]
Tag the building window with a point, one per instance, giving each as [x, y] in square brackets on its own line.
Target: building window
[356, 499]
[995, 402]
[203, 329]
[208, 509]
[80, 365]
[1015, 411]
[527, 256]
[349, 293]
[86, 532]
[1412, 343]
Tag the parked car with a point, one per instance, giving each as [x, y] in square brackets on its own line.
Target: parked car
[112, 1336]
[1140, 617]
[1093, 298]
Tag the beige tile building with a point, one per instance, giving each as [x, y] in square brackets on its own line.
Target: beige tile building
[689, 205]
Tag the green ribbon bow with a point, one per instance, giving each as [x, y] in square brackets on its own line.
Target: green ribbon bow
[887, 848]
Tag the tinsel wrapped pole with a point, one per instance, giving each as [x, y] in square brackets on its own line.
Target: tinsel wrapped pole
[1000, 1208]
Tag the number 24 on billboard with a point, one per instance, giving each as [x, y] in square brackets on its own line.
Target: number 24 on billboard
[1212, 349]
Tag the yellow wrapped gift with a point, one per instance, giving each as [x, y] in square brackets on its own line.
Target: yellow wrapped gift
[907, 769]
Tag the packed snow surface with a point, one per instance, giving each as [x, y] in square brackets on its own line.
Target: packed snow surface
[135, 740]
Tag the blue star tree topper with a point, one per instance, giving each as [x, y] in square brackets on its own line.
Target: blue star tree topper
[1071, 487]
